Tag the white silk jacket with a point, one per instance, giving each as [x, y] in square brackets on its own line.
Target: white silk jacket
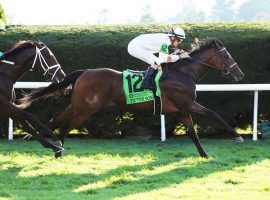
[145, 46]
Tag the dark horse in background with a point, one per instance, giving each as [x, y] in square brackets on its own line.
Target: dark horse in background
[94, 89]
[14, 64]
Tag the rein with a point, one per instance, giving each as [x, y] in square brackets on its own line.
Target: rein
[8, 62]
[212, 66]
[225, 71]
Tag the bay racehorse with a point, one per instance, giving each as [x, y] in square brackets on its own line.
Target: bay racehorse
[14, 64]
[94, 89]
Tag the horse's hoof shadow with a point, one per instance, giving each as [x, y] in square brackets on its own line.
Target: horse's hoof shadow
[160, 144]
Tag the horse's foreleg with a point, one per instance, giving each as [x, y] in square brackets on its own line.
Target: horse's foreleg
[31, 124]
[199, 109]
[56, 146]
[188, 123]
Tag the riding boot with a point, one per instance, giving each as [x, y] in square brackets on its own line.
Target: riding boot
[149, 79]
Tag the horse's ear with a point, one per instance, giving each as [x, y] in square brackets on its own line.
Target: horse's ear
[196, 41]
[37, 41]
[195, 44]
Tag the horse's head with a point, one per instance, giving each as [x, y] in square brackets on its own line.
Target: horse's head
[36, 55]
[46, 62]
[225, 62]
[220, 59]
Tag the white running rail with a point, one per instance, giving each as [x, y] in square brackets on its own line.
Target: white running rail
[210, 88]
[229, 88]
[24, 85]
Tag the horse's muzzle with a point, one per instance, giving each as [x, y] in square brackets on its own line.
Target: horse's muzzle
[236, 73]
[59, 76]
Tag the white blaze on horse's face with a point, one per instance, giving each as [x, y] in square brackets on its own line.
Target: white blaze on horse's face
[48, 64]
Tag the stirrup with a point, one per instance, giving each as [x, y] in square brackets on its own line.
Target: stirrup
[148, 85]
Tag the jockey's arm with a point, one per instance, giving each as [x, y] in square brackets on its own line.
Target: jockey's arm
[165, 58]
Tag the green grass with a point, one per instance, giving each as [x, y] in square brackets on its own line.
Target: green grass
[125, 169]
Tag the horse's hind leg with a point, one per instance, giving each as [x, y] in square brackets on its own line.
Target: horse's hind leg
[199, 109]
[78, 117]
[188, 123]
[74, 121]
[60, 117]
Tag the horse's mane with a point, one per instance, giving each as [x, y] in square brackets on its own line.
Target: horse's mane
[206, 43]
[18, 47]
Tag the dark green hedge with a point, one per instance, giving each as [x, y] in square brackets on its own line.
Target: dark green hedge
[81, 47]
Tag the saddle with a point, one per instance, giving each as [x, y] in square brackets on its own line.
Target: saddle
[132, 81]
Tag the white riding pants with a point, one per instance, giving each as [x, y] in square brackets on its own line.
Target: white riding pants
[142, 54]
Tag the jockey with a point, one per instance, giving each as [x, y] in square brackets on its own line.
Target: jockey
[146, 45]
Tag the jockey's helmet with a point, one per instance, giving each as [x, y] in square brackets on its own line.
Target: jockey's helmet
[177, 32]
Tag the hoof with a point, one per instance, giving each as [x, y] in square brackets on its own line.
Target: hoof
[58, 149]
[238, 139]
[160, 144]
[205, 156]
[58, 153]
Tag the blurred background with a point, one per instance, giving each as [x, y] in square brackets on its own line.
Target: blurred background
[123, 11]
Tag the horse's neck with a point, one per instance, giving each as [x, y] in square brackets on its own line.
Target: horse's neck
[17, 70]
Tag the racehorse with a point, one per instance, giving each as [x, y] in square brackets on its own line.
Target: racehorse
[94, 89]
[15, 63]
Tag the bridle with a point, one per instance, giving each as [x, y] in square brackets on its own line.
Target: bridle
[46, 68]
[226, 70]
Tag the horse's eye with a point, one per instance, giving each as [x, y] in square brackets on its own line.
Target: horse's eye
[226, 56]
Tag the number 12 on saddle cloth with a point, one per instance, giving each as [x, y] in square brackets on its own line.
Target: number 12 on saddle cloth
[132, 81]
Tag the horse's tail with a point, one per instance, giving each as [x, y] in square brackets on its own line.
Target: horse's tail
[54, 89]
